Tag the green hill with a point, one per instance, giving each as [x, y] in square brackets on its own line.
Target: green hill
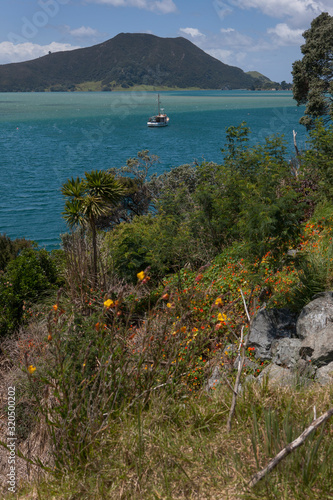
[125, 61]
[259, 76]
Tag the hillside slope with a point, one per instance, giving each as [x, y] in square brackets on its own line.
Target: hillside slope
[127, 60]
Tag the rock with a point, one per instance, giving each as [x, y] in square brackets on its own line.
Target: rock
[317, 347]
[285, 352]
[277, 376]
[316, 315]
[306, 369]
[325, 374]
[270, 325]
[248, 363]
[215, 379]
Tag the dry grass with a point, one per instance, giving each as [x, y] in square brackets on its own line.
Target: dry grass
[180, 449]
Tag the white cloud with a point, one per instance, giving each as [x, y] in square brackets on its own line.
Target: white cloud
[230, 57]
[161, 6]
[10, 52]
[222, 55]
[193, 32]
[83, 32]
[235, 39]
[283, 35]
[222, 9]
[297, 12]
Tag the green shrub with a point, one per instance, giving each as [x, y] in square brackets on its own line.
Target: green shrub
[9, 249]
[27, 280]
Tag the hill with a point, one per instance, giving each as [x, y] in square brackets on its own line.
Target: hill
[259, 76]
[125, 61]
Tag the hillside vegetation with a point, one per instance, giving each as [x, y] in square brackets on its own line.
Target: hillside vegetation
[127, 60]
[110, 341]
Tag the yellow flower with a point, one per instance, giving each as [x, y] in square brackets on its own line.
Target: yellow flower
[218, 301]
[108, 303]
[169, 305]
[31, 369]
[141, 275]
[222, 317]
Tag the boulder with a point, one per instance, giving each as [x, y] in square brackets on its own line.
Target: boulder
[215, 379]
[325, 374]
[277, 376]
[268, 326]
[285, 352]
[317, 347]
[316, 315]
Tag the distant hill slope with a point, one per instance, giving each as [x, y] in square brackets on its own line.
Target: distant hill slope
[259, 76]
[127, 60]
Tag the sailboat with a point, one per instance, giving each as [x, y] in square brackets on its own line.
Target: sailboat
[159, 120]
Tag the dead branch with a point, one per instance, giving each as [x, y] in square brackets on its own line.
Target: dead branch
[241, 359]
[290, 448]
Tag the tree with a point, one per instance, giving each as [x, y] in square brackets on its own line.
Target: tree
[88, 199]
[312, 76]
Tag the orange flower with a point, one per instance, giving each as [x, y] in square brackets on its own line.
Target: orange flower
[165, 296]
[49, 337]
[55, 307]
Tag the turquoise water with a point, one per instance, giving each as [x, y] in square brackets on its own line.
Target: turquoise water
[45, 138]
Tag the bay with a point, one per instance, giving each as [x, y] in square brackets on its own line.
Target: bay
[46, 138]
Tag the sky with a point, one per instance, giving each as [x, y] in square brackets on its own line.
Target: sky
[254, 35]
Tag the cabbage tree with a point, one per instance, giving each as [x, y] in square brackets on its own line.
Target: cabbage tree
[89, 198]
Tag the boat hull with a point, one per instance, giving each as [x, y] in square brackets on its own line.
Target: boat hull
[157, 124]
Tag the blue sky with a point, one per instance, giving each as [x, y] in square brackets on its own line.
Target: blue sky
[261, 35]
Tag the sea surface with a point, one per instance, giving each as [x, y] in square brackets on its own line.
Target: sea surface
[46, 138]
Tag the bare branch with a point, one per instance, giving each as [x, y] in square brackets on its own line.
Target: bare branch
[290, 448]
[241, 359]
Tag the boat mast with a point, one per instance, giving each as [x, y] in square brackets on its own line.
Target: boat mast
[158, 102]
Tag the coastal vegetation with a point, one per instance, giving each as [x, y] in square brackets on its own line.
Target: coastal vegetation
[111, 348]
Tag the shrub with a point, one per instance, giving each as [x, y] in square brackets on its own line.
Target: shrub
[9, 249]
[27, 280]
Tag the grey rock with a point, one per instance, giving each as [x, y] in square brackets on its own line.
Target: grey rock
[317, 347]
[306, 369]
[248, 363]
[215, 379]
[325, 374]
[285, 352]
[316, 315]
[268, 326]
[277, 376]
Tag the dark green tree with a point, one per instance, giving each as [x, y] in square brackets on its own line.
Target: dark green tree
[312, 76]
[88, 199]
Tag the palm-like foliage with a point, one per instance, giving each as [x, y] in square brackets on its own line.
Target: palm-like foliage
[88, 199]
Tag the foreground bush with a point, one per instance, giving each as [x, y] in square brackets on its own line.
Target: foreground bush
[28, 279]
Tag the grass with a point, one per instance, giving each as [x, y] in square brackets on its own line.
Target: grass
[179, 449]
